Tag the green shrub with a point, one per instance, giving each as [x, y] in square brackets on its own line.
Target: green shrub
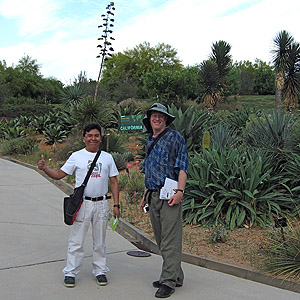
[123, 180]
[135, 187]
[120, 160]
[23, 146]
[14, 111]
[234, 187]
[281, 252]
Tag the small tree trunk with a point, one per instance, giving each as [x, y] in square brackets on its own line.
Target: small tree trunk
[279, 83]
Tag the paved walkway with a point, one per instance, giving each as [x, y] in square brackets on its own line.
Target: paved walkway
[33, 251]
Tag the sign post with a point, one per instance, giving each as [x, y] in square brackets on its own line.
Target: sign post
[131, 123]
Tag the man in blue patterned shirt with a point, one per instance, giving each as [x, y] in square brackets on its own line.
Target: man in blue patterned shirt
[167, 159]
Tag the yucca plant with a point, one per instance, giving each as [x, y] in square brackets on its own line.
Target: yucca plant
[239, 118]
[222, 135]
[270, 131]
[281, 252]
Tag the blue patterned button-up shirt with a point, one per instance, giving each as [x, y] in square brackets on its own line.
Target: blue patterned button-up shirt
[167, 157]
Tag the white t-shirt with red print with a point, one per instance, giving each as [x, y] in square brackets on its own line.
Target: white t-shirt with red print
[105, 167]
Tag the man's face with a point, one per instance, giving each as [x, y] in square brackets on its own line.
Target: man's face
[92, 140]
[158, 121]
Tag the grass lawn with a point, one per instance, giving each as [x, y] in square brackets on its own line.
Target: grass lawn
[260, 102]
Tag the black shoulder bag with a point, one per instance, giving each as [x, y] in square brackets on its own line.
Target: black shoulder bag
[156, 140]
[73, 203]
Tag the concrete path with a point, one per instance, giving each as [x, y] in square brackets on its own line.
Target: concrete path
[33, 251]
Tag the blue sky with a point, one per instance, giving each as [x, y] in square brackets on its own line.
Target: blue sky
[62, 34]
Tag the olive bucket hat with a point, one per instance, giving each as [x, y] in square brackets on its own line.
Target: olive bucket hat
[160, 108]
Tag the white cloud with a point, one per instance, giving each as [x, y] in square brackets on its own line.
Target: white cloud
[190, 26]
[33, 16]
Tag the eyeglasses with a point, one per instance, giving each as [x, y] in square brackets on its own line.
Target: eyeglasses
[158, 116]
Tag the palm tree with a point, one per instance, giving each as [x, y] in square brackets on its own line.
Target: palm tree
[282, 45]
[213, 73]
[220, 55]
[211, 83]
[292, 82]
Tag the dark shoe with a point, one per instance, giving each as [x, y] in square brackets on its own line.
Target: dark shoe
[157, 284]
[101, 280]
[164, 291]
[69, 281]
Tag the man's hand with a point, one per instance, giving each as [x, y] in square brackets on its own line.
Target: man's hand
[42, 163]
[143, 203]
[175, 199]
[116, 212]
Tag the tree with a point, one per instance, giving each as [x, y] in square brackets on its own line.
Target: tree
[130, 66]
[220, 55]
[292, 82]
[210, 82]
[24, 81]
[214, 73]
[27, 64]
[282, 44]
[172, 85]
[264, 78]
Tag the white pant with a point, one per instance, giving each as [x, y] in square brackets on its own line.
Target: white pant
[97, 214]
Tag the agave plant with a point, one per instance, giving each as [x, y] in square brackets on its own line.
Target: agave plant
[12, 129]
[190, 124]
[222, 136]
[239, 118]
[54, 134]
[90, 110]
[233, 188]
[72, 94]
[270, 131]
[39, 123]
[120, 160]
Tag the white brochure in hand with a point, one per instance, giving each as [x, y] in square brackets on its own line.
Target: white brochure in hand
[167, 191]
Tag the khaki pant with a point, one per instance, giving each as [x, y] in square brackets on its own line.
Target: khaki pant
[95, 213]
[167, 226]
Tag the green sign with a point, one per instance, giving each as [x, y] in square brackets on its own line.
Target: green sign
[129, 123]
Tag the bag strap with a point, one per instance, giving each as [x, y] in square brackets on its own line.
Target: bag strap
[86, 179]
[156, 140]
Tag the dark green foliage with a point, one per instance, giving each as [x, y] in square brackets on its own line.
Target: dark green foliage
[120, 160]
[281, 252]
[239, 118]
[114, 142]
[234, 187]
[222, 136]
[270, 131]
[29, 110]
[90, 110]
[21, 146]
[54, 134]
[191, 125]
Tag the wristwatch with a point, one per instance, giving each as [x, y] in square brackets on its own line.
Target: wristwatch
[179, 190]
[117, 205]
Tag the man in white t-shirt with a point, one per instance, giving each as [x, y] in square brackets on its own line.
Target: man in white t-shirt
[95, 207]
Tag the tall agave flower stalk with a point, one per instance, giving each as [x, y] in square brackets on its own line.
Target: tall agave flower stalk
[105, 48]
